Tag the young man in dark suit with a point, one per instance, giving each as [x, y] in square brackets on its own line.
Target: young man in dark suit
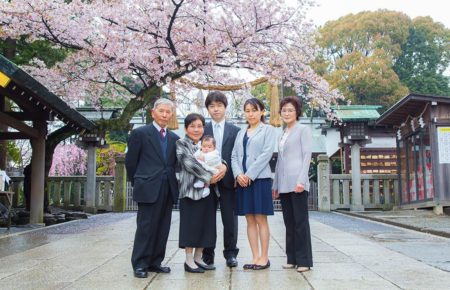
[150, 164]
[224, 133]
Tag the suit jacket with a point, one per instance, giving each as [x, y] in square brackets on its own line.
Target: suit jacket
[229, 136]
[146, 166]
[293, 162]
[190, 169]
[259, 150]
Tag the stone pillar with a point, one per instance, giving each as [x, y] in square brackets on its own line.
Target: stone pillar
[356, 179]
[89, 191]
[37, 175]
[438, 209]
[323, 180]
[120, 185]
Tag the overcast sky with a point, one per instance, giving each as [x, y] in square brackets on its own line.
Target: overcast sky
[439, 10]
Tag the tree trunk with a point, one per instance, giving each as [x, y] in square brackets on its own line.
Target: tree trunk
[148, 98]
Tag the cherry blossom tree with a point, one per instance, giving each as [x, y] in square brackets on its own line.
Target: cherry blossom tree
[130, 49]
[68, 160]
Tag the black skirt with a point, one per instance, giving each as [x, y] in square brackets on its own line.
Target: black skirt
[197, 222]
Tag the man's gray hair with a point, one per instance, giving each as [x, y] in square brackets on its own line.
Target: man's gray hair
[164, 101]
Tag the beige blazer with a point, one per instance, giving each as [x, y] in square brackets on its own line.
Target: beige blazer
[293, 163]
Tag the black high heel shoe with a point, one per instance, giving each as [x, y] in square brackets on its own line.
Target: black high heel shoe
[193, 270]
[262, 267]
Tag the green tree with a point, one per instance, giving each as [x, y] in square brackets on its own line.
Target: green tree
[23, 52]
[425, 57]
[364, 32]
[357, 53]
[106, 158]
[368, 80]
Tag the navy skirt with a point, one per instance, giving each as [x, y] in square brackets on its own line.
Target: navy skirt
[256, 198]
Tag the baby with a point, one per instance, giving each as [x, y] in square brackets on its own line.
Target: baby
[210, 159]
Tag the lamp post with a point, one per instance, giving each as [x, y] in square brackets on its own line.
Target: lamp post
[356, 134]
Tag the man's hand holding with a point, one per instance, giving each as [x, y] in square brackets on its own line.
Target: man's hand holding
[219, 175]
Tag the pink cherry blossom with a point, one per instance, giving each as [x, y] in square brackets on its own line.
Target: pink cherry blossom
[68, 160]
[120, 48]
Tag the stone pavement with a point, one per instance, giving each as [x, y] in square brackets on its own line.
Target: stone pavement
[98, 257]
[422, 220]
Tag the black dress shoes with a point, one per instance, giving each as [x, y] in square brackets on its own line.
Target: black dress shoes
[140, 273]
[206, 267]
[208, 259]
[232, 262]
[193, 270]
[262, 267]
[159, 269]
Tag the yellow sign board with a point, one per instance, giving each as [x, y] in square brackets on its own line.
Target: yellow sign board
[4, 80]
[444, 129]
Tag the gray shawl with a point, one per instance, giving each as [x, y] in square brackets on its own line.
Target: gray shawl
[190, 169]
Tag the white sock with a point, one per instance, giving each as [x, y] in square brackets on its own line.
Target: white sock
[198, 256]
[190, 261]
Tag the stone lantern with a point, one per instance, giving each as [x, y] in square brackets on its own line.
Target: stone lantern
[354, 131]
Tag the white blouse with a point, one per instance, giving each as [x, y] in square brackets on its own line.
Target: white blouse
[283, 141]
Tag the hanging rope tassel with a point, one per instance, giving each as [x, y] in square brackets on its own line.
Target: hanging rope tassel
[173, 122]
[274, 99]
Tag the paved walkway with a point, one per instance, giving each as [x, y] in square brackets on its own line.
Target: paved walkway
[419, 220]
[95, 254]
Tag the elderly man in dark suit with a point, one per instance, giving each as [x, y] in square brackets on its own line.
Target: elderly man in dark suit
[150, 163]
[224, 133]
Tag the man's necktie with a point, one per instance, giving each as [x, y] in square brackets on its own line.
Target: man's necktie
[161, 134]
[218, 137]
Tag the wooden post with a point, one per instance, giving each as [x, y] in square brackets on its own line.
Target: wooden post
[120, 185]
[323, 180]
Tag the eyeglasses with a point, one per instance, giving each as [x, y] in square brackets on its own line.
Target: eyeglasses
[193, 126]
[285, 111]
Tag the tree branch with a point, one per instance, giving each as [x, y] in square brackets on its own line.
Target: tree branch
[169, 28]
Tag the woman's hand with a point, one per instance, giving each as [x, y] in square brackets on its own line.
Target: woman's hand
[219, 175]
[243, 180]
[275, 194]
[299, 188]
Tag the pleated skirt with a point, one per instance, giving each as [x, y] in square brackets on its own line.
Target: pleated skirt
[256, 198]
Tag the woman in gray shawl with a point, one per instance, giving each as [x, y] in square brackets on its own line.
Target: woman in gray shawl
[197, 213]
